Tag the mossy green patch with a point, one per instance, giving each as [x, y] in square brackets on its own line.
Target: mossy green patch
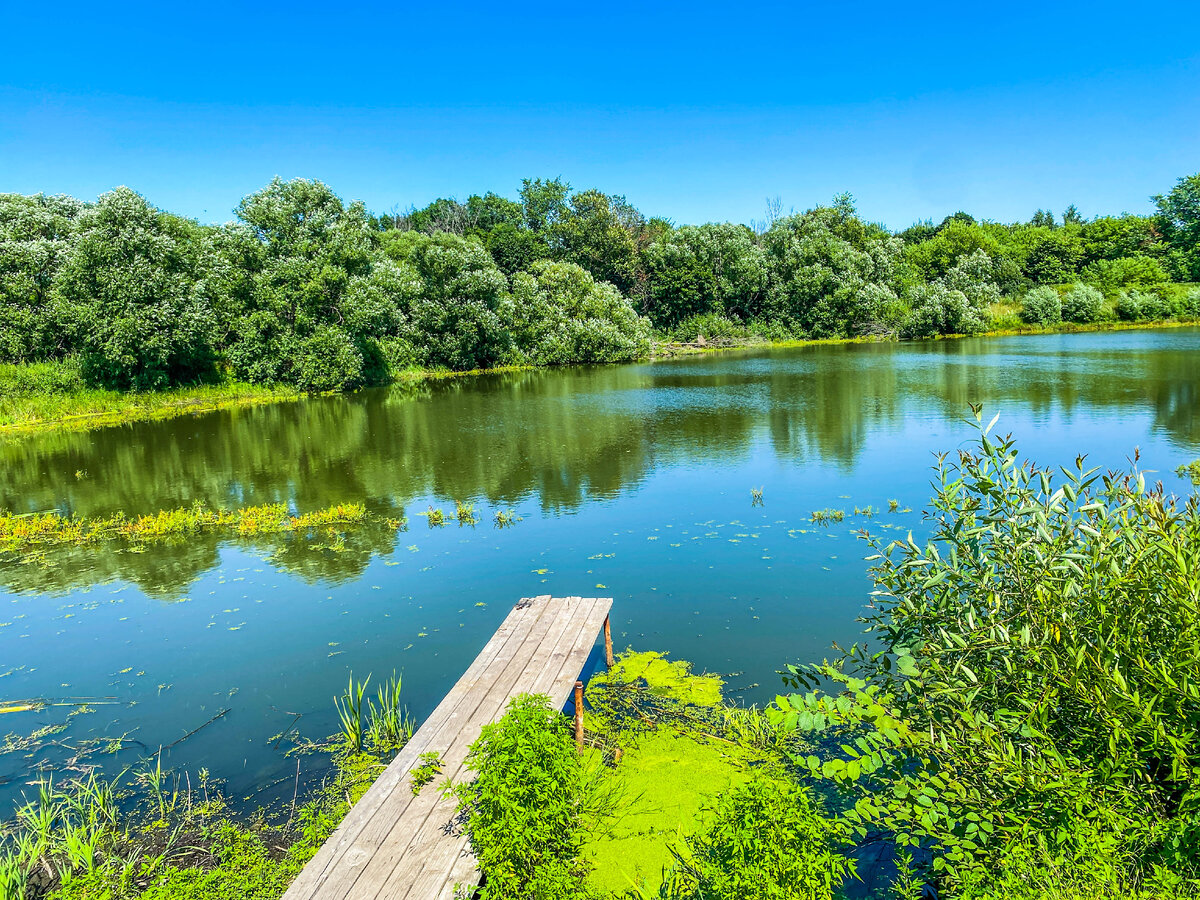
[667, 678]
[667, 778]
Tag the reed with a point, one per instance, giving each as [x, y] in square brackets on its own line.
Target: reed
[350, 709]
[389, 725]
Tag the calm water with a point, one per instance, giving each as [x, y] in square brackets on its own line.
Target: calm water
[631, 481]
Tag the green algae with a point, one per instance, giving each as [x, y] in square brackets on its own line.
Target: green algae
[666, 678]
[669, 779]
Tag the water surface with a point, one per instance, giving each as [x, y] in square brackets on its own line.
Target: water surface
[631, 481]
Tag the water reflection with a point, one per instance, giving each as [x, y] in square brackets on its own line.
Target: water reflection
[558, 438]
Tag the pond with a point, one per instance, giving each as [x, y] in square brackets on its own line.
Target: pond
[630, 481]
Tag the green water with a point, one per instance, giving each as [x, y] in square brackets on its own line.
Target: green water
[631, 481]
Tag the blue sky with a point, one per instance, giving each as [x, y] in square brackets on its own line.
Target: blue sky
[694, 111]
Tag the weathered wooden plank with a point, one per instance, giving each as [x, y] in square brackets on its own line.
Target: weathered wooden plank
[444, 853]
[410, 850]
[556, 679]
[350, 831]
[393, 845]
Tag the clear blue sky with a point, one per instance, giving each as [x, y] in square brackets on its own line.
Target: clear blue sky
[694, 111]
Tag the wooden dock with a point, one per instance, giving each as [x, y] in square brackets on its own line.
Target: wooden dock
[394, 846]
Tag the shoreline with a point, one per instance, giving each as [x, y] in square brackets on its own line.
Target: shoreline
[124, 409]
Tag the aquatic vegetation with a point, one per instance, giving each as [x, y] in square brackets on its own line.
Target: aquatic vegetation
[389, 725]
[436, 517]
[756, 496]
[893, 505]
[505, 518]
[1191, 471]
[826, 516]
[350, 712]
[22, 532]
[867, 511]
[464, 513]
[666, 678]
[428, 767]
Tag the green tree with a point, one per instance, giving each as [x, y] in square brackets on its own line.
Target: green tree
[563, 315]
[457, 312]
[1179, 213]
[830, 273]
[131, 283]
[311, 247]
[696, 270]
[34, 236]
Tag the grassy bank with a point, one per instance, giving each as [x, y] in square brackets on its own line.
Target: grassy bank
[44, 396]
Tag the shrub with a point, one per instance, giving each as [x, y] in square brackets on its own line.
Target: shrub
[1042, 306]
[1125, 271]
[1034, 673]
[1187, 306]
[937, 309]
[1140, 306]
[765, 841]
[527, 810]
[328, 360]
[1082, 303]
[562, 315]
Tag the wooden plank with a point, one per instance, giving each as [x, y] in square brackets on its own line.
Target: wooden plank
[409, 850]
[556, 679]
[393, 845]
[371, 849]
[359, 818]
[447, 860]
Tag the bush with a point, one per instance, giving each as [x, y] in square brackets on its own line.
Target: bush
[1187, 306]
[1142, 306]
[765, 841]
[1125, 271]
[1082, 303]
[1034, 671]
[562, 315]
[528, 808]
[937, 309]
[1042, 306]
[328, 360]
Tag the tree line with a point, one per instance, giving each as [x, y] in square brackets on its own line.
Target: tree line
[305, 289]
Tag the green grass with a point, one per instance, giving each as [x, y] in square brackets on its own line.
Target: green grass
[37, 396]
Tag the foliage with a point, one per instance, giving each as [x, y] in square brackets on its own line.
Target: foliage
[428, 768]
[1179, 216]
[1042, 306]
[35, 233]
[529, 809]
[131, 296]
[316, 294]
[830, 273]
[765, 841]
[562, 315]
[1035, 671]
[1082, 303]
[1140, 306]
[1125, 271]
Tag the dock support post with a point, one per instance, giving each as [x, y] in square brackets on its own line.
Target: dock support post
[608, 654]
[579, 716]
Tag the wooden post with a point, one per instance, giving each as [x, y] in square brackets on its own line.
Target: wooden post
[608, 654]
[579, 716]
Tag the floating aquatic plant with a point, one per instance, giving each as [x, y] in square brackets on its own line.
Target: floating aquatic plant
[756, 496]
[826, 516]
[464, 513]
